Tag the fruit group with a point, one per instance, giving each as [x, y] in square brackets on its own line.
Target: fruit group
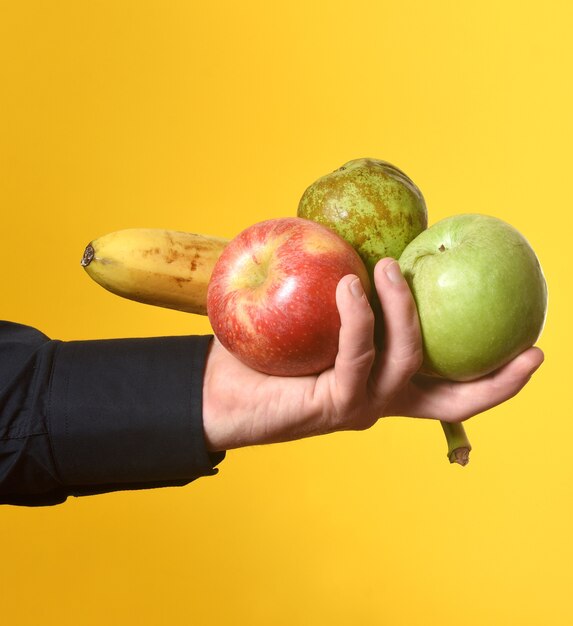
[480, 292]
[271, 300]
[165, 268]
[371, 204]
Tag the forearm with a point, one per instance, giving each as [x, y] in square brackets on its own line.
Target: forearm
[88, 417]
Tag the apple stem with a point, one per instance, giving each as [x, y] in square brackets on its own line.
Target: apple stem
[458, 443]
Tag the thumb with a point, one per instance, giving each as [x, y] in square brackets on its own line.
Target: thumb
[356, 340]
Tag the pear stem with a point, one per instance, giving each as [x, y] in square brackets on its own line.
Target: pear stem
[458, 443]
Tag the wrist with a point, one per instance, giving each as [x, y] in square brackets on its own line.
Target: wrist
[220, 424]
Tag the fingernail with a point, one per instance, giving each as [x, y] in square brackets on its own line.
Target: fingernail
[356, 288]
[393, 272]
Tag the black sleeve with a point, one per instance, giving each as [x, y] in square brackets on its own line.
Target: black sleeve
[87, 417]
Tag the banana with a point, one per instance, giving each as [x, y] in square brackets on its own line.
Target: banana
[164, 268]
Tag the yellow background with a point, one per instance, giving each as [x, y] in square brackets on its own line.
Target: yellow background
[208, 117]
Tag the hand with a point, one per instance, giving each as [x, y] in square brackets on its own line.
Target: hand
[242, 407]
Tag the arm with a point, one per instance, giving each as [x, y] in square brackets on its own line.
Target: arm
[93, 416]
[88, 417]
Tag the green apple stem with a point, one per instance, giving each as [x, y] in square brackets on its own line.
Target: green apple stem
[458, 443]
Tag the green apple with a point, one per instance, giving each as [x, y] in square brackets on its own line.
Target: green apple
[480, 292]
[369, 203]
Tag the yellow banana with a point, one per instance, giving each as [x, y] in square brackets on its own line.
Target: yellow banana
[161, 267]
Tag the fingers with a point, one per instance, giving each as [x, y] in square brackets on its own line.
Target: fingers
[485, 393]
[457, 401]
[402, 354]
[356, 340]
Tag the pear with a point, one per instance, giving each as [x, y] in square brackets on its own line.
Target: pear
[371, 204]
[378, 210]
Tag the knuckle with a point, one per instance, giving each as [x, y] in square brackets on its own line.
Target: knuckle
[364, 359]
[364, 423]
[408, 358]
[361, 361]
[352, 420]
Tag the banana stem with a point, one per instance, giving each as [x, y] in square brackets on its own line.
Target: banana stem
[89, 254]
[458, 443]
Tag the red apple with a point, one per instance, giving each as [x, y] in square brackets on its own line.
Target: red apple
[271, 298]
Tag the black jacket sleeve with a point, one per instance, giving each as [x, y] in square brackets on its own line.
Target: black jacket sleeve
[87, 417]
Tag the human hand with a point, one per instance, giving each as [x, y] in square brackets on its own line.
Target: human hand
[243, 407]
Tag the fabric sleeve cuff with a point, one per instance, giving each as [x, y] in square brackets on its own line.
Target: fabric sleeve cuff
[129, 412]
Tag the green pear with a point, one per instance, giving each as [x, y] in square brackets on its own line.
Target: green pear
[371, 204]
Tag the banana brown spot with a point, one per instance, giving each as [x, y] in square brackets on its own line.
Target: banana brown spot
[194, 261]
